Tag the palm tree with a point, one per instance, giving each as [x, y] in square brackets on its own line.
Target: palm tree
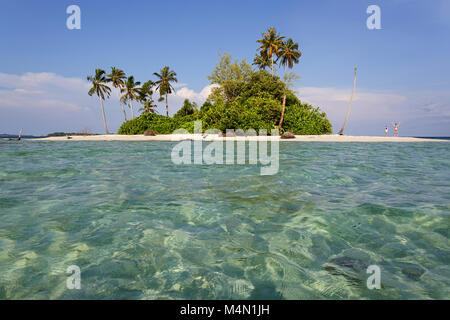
[166, 76]
[146, 91]
[341, 132]
[262, 61]
[101, 89]
[270, 44]
[117, 77]
[145, 97]
[130, 93]
[148, 107]
[289, 55]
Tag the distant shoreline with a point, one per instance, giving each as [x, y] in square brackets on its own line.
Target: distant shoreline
[211, 137]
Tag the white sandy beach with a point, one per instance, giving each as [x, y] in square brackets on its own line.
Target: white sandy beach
[210, 137]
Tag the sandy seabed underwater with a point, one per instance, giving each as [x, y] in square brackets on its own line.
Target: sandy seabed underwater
[141, 227]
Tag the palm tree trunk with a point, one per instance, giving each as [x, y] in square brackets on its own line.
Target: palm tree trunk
[341, 132]
[282, 111]
[167, 106]
[104, 117]
[131, 107]
[121, 104]
[272, 65]
[284, 104]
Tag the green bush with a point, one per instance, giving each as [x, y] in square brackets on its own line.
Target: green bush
[306, 120]
[187, 109]
[251, 101]
[254, 113]
[158, 123]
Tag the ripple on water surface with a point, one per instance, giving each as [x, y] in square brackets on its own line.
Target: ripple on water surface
[140, 227]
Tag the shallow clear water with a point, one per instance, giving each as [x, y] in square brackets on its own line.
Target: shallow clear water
[140, 227]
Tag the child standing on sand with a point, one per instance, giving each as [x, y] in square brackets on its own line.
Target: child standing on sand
[385, 131]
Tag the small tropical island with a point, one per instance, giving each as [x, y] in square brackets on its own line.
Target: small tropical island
[243, 97]
[245, 100]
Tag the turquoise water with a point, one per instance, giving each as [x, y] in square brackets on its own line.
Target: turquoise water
[140, 227]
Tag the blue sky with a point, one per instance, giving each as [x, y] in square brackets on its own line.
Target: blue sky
[403, 69]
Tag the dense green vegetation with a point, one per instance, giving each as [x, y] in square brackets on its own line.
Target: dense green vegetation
[242, 98]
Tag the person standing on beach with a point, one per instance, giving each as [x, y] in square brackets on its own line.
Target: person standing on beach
[396, 129]
[385, 131]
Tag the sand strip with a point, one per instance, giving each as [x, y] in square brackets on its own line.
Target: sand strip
[181, 137]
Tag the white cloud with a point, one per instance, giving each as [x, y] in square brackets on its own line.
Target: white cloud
[176, 99]
[41, 91]
[199, 97]
[39, 80]
[46, 102]
[179, 85]
[371, 110]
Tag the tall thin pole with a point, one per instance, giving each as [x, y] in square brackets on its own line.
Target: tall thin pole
[341, 132]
